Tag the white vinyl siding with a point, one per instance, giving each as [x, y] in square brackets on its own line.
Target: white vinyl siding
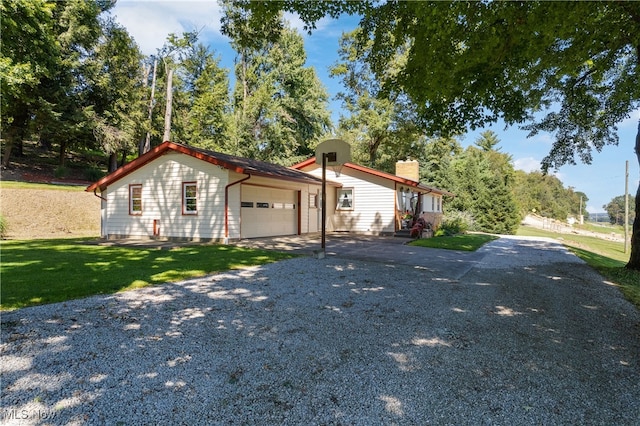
[162, 192]
[432, 203]
[374, 201]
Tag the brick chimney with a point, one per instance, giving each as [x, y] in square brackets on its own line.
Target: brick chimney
[409, 169]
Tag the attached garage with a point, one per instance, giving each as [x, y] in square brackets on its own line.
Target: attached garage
[182, 192]
[268, 212]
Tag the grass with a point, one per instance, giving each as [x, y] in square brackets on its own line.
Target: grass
[37, 272]
[9, 184]
[601, 228]
[605, 256]
[465, 242]
[607, 248]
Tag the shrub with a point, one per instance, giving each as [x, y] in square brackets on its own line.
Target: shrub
[93, 173]
[61, 171]
[455, 222]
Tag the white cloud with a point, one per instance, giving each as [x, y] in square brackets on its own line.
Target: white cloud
[298, 24]
[631, 121]
[527, 164]
[149, 22]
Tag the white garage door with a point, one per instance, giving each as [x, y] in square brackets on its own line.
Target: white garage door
[268, 212]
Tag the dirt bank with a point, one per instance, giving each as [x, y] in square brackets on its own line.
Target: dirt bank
[50, 213]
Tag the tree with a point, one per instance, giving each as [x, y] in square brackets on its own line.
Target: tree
[379, 122]
[204, 112]
[545, 195]
[69, 74]
[29, 54]
[436, 164]
[616, 209]
[280, 106]
[115, 92]
[472, 63]
[482, 179]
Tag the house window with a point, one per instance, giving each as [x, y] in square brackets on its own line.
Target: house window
[345, 199]
[189, 198]
[439, 205]
[433, 203]
[313, 201]
[135, 199]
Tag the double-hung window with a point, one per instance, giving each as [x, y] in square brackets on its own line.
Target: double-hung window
[345, 199]
[189, 198]
[135, 199]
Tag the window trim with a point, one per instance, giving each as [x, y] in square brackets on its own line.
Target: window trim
[132, 187]
[342, 191]
[184, 198]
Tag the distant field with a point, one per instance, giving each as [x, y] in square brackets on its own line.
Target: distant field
[601, 228]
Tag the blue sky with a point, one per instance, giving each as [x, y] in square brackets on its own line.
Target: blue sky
[150, 21]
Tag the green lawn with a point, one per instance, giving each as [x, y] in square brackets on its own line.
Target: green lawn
[465, 242]
[605, 256]
[36, 272]
[9, 184]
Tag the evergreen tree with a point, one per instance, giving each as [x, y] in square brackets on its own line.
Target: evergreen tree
[201, 100]
[280, 108]
[115, 95]
[482, 180]
[436, 164]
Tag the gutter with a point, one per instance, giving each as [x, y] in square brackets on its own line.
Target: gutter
[226, 206]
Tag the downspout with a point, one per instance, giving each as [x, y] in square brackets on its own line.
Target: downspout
[99, 196]
[226, 206]
[102, 213]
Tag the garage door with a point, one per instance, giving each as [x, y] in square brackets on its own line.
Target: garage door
[268, 212]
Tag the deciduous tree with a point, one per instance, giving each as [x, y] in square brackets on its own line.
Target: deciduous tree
[472, 63]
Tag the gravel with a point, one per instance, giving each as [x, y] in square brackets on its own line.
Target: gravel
[527, 335]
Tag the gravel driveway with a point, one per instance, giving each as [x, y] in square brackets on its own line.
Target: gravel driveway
[519, 333]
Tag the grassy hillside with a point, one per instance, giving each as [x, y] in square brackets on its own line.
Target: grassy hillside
[48, 211]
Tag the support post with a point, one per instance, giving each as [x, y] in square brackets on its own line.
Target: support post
[324, 200]
[331, 156]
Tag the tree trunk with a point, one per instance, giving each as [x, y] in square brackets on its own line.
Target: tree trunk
[167, 114]
[145, 144]
[6, 157]
[113, 162]
[14, 136]
[62, 153]
[634, 259]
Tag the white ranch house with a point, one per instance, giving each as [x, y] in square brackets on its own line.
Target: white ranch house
[180, 192]
[369, 201]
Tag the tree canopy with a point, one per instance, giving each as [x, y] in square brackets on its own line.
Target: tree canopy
[469, 64]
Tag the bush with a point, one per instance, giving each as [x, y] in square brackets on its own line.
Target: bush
[60, 172]
[3, 226]
[455, 222]
[93, 173]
